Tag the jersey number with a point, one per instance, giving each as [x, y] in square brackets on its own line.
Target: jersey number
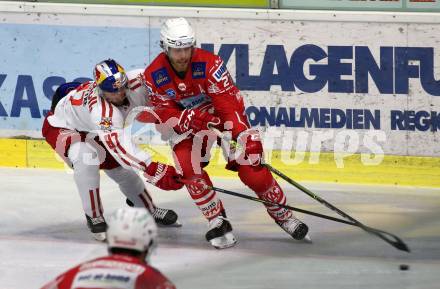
[85, 88]
[78, 101]
[109, 140]
[225, 79]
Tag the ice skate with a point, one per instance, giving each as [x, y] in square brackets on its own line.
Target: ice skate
[295, 228]
[165, 217]
[129, 203]
[220, 233]
[97, 226]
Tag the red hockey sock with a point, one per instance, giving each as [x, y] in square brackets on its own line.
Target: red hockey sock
[206, 199]
[261, 181]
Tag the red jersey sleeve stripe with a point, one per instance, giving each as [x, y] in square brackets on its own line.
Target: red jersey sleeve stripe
[126, 157]
[129, 156]
[135, 87]
[92, 102]
[120, 156]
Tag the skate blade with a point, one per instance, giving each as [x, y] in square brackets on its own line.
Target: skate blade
[173, 225]
[101, 237]
[307, 239]
[226, 241]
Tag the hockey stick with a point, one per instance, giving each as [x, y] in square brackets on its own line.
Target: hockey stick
[269, 203]
[387, 237]
[391, 239]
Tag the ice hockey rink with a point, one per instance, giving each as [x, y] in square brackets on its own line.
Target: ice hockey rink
[43, 233]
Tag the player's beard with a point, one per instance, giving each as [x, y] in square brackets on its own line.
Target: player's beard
[116, 100]
[181, 65]
[122, 102]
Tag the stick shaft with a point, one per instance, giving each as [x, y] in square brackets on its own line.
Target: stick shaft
[396, 242]
[270, 203]
[228, 192]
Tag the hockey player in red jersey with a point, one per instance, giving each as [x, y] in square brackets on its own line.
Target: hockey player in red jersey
[131, 237]
[193, 87]
[86, 128]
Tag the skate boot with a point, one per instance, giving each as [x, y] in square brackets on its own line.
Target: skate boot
[97, 226]
[129, 203]
[220, 233]
[165, 217]
[295, 228]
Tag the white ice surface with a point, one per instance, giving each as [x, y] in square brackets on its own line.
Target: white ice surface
[43, 232]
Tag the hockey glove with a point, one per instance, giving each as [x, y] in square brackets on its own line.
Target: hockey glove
[163, 176]
[195, 120]
[250, 143]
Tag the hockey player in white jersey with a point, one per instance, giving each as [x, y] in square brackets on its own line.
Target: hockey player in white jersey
[86, 128]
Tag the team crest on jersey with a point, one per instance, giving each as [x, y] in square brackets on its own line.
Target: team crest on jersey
[213, 88]
[161, 77]
[220, 71]
[198, 70]
[171, 93]
[106, 123]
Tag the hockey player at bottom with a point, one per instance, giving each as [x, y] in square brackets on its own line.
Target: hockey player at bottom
[194, 87]
[131, 238]
[85, 127]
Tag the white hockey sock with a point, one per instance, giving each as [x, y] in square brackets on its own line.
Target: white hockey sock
[86, 176]
[132, 186]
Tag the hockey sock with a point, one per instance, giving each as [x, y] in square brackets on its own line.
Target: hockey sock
[204, 197]
[261, 181]
[86, 176]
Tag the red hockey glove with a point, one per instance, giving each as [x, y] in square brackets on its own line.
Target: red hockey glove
[196, 120]
[163, 176]
[250, 142]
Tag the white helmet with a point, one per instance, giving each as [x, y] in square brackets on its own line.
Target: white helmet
[131, 228]
[176, 33]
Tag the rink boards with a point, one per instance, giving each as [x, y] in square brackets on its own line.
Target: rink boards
[361, 85]
[323, 167]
